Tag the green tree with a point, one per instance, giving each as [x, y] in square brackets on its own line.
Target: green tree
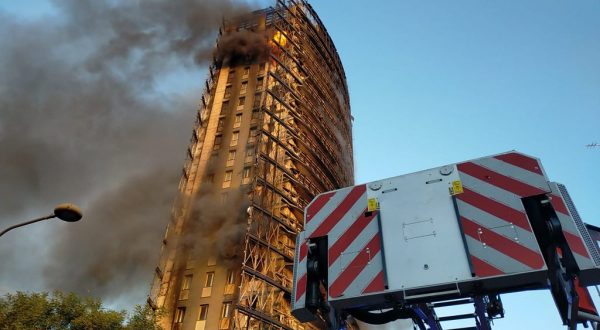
[144, 318]
[26, 311]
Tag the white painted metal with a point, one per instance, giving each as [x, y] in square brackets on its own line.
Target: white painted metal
[422, 241]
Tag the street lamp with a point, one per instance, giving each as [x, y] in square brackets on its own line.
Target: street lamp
[66, 212]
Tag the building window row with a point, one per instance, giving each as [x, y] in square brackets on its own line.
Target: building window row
[246, 177]
[226, 313]
[219, 139]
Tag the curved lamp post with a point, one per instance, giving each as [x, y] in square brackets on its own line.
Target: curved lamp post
[66, 212]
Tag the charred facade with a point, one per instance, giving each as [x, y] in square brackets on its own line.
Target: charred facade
[273, 131]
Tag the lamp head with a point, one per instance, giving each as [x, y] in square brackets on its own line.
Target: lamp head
[68, 212]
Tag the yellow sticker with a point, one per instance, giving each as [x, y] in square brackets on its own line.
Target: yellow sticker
[457, 188]
[372, 204]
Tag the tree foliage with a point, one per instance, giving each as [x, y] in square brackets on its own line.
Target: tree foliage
[26, 311]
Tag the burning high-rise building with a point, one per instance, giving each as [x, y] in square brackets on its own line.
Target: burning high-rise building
[273, 131]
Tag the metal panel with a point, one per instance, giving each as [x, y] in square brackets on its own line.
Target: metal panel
[499, 235]
[421, 237]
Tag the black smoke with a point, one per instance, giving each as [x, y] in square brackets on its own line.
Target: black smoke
[85, 118]
[217, 225]
[242, 47]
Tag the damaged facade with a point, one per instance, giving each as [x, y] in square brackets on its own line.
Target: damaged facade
[273, 131]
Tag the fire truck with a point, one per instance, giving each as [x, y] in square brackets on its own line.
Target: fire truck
[389, 253]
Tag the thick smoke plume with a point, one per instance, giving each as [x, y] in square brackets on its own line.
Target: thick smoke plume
[85, 118]
[242, 47]
[217, 225]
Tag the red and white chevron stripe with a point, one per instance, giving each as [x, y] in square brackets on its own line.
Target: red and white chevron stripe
[498, 233]
[569, 228]
[354, 243]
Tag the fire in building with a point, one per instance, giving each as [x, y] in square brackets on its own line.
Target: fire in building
[273, 130]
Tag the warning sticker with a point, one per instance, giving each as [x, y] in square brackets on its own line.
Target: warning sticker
[372, 204]
[456, 188]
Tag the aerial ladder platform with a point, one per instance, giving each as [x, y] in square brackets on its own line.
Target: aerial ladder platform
[394, 251]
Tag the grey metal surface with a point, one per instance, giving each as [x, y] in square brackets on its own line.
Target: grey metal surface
[420, 232]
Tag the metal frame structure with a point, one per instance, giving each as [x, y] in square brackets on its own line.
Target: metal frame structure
[302, 139]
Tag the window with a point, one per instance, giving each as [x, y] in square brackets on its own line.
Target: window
[256, 104]
[259, 84]
[227, 92]
[255, 114]
[210, 277]
[185, 287]
[230, 285]
[246, 72]
[238, 121]
[208, 283]
[230, 157]
[226, 310]
[261, 67]
[230, 77]
[217, 144]
[241, 101]
[234, 138]
[249, 154]
[225, 108]
[246, 175]
[220, 125]
[203, 313]
[227, 179]
[230, 276]
[187, 282]
[252, 135]
[244, 87]
[179, 314]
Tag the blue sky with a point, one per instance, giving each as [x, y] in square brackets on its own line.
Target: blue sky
[437, 82]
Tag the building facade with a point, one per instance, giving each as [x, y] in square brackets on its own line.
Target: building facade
[273, 131]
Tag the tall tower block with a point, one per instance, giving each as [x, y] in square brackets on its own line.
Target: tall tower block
[273, 130]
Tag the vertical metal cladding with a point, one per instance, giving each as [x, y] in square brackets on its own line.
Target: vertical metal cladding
[294, 130]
